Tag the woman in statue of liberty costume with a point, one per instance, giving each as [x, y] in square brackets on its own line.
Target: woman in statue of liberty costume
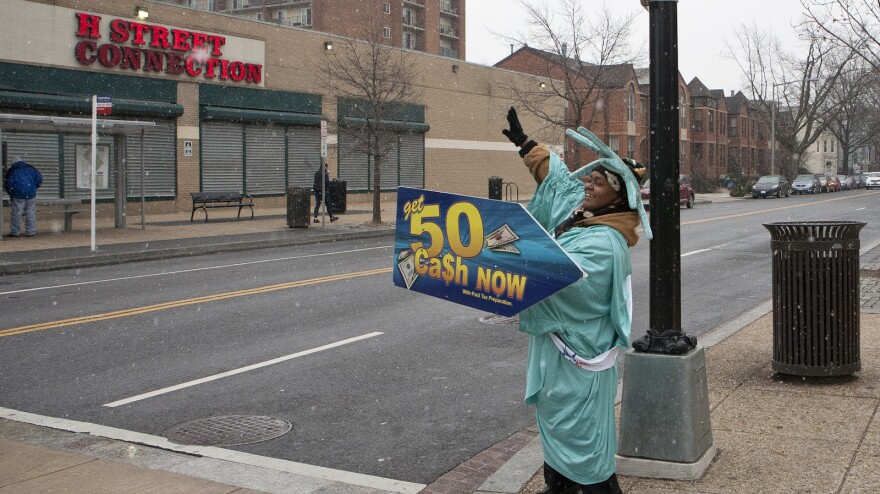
[576, 334]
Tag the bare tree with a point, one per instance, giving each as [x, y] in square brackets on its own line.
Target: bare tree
[855, 121]
[377, 79]
[797, 87]
[577, 54]
[854, 24]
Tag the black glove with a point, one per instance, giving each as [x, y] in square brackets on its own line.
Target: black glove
[515, 133]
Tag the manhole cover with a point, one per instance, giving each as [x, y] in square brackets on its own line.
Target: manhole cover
[228, 430]
[496, 319]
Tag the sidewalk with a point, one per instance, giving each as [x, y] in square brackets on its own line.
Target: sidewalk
[774, 434]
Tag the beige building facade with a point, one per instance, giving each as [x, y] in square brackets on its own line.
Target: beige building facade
[238, 105]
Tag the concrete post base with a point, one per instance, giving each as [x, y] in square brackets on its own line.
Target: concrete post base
[665, 430]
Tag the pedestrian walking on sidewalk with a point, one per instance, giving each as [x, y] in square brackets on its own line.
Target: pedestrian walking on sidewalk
[320, 186]
[576, 334]
[21, 182]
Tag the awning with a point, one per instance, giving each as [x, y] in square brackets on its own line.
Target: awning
[388, 124]
[83, 104]
[248, 115]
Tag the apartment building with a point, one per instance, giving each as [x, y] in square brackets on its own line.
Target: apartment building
[748, 136]
[708, 130]
[430, 26]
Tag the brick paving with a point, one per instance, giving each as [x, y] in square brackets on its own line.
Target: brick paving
[470, 475]
[870, 292]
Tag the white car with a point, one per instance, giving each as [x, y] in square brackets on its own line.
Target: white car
[872, 180]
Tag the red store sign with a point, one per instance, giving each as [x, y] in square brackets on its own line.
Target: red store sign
[152, 48]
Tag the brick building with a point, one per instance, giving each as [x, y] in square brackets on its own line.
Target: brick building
[431, 26]
[708, 130]
[748, 137]
[232, 108]
[618, 104]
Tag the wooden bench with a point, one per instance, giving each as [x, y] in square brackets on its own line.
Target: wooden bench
[205, 200]
[68, 211]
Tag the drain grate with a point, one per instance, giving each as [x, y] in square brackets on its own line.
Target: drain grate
[496, 319]
[228, 430]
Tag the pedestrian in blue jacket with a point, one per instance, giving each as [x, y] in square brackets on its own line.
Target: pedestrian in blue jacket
[21, 182]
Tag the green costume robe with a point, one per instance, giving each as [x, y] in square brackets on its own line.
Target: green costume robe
[575, 406]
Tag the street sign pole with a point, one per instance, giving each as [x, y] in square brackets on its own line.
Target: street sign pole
[94, 157]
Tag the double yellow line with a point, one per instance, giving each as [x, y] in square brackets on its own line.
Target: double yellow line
[183, 303]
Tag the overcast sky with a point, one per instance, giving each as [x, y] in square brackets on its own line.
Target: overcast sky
[704, 28]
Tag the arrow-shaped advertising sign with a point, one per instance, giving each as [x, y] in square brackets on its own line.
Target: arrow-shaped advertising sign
[486, 254]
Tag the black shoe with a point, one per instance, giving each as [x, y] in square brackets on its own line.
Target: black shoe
[14, 235]
[317, 220]
[334, 218]
[558, 489]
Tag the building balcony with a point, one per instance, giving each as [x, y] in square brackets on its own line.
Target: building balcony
[418, 3]
[237, 5]
[294, 21]
[448, 8]
[448, 52]
[413, 26]
[448, 31]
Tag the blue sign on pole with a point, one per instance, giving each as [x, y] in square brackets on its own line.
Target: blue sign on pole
[486, 254]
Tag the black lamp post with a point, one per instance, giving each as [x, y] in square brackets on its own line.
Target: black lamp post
[664, 333]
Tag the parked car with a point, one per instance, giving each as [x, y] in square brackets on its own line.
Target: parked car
[805, 184]
[858, 181]
[685, 192]
[833, 183]
[823, 183]
[872, 180]
[846, 182]
[771, 185]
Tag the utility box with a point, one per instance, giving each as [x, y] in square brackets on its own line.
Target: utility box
[298, 203]
[816, 295]
[336, 196]
[495, 185]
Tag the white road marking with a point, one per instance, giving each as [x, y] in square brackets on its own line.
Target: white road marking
[165, 273]
[860, 209]
[240, 370]
[702, 250]
[292, 467]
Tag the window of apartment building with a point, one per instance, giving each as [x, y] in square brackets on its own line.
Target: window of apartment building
[407, 17]
[631, 147]
[732, 122]
[386, 7]
[698, 120]
[259, 16]
[305, 16]
[721, 124]
[752, 125]
[710, 156]
[710, 120]
[760, 156]
[408, 41]
[614, 144]
[631, 104]
[386, 32]
[722, 151]
[744, 155]
[825, 146]
[682, 109]
[644, 104]
[734, 154]
[832, 145]
[698, 153]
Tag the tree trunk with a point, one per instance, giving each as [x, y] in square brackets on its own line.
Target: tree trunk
[377, 207]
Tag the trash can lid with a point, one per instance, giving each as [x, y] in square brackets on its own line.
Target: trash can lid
[814, 230]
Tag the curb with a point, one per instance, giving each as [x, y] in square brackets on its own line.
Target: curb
[93, 259]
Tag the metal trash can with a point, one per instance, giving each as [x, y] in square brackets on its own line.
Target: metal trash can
[298, 203]
[495, 185]
[336, 199]
[816, 297]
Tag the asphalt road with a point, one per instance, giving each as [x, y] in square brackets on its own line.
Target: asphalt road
[414, 386]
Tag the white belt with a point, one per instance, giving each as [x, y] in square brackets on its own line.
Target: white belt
[595, 364]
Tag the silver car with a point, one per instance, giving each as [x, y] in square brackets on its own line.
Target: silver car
[872, 180]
